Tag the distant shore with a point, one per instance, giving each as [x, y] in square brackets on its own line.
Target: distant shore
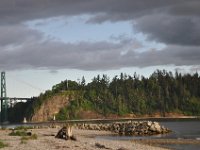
[103, 120]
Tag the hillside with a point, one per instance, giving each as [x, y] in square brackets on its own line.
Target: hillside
[162, 94]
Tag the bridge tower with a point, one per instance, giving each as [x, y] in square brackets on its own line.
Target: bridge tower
[4, 99]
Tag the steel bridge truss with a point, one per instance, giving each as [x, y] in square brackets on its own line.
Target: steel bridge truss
[7, 102]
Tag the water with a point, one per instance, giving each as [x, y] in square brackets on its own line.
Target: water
[189, 129]
[12, 126]
[182, 146]
[183, 129]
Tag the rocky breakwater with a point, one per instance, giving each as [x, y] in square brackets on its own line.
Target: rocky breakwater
[139, 128]
[129, 128]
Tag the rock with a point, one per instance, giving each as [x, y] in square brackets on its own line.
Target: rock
[122, 148]
[100, 145]
[149, 123]
[155, 127]
[28, 133]
[73, 138]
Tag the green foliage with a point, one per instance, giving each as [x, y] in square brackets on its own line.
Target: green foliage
[25, 136]
[87, 105]
[25, 128]
[2, 144]
[162, 92]
[24, 139]
[69, 112]
[62, 115]
[18, 133]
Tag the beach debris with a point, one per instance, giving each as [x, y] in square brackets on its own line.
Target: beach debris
[28, 133]
[98, 145]
[24, 121]
[122, 148]
[66, 133]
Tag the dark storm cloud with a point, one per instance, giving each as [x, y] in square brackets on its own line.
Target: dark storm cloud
[174, 23]
[171, 55]
[171, 29]
[23, 10]
[15, 35]
[167, 21]
[38, 53]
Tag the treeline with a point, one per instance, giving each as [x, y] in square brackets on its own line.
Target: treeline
[163, 92]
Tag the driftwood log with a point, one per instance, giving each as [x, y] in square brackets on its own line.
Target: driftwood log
[66, 133]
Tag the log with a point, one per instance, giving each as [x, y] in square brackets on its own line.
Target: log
[69, 131]
[66, 133]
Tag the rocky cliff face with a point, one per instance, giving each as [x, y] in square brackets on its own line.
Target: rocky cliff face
[51, 107]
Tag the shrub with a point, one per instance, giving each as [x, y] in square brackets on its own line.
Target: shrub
[18, 133]
[25, 128]
[24, 139]
[2, 145]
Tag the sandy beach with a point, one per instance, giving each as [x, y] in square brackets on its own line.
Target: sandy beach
[85, 141]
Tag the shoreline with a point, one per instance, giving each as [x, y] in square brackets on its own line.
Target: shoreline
[104, 120]
[170, 143]
[85, 140]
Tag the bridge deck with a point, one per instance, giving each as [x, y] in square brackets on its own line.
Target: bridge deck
[15, 98]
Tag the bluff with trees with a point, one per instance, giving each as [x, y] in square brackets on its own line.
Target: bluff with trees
[161, 93]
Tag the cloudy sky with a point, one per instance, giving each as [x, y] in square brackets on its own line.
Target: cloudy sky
[45, 41]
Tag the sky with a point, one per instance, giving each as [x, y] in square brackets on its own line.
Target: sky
[43, 42]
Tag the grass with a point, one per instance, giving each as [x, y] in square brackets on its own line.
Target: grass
[23, 128]
[2, 145]
[18, 133]
[24, 139]
[22, 132]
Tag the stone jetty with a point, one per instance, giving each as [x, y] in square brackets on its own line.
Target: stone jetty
[128, 128]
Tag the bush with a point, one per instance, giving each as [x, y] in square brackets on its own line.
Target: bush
[24, 139]
[25, 128]
[18, 133]
[2, 145]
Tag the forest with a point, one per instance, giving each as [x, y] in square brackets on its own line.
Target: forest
[163, 92]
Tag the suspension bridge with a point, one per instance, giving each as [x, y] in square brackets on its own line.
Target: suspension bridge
[6, 101]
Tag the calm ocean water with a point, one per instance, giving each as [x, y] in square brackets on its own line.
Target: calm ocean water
[183, 129]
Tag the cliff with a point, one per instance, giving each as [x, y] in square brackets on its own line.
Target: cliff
[51, 107]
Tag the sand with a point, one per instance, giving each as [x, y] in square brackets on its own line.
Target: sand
[85, 141]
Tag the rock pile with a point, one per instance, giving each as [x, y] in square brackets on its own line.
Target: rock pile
[129, 128]
[139, 128]
[100, 127]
